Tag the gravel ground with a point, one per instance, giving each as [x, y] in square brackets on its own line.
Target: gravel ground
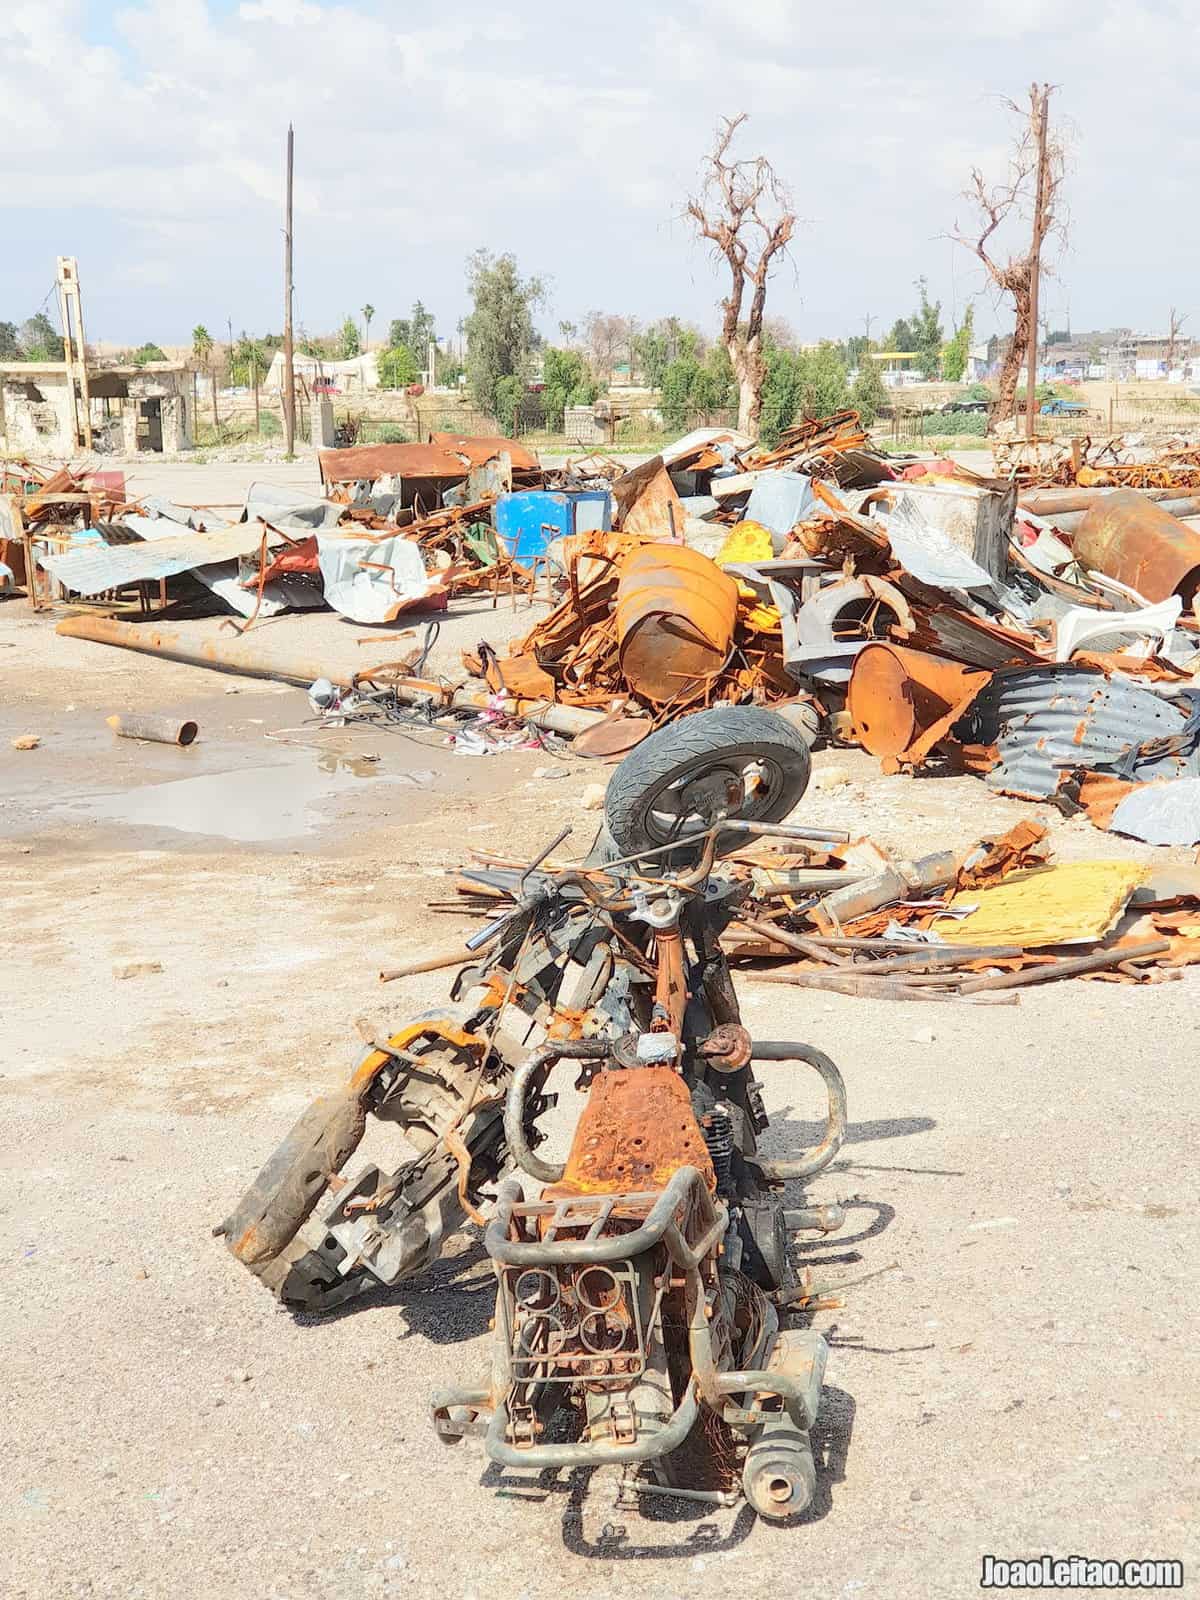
[1022, 1380]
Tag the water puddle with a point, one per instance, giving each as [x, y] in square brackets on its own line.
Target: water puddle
[252, 806]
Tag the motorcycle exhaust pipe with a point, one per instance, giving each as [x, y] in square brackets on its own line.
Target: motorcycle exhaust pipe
[779, 1476]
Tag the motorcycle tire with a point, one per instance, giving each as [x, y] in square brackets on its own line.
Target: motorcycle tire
[643, 804]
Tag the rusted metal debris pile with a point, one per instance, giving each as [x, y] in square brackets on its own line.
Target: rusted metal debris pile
[398, 528]
[37, 504]
[1045, 639]
[1043, 636]
[973, 924]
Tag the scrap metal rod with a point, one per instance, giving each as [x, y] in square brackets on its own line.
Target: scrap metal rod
[1072, 967]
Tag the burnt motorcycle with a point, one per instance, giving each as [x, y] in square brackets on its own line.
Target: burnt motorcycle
[642, 1293]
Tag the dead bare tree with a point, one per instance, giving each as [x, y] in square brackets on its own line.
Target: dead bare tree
[1031, 193]
[1176, 327]
[745, 211]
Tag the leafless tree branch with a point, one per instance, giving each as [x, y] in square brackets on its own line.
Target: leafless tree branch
[745, 211]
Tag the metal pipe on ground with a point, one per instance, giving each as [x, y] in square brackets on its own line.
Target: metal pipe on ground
[1188, 506]
[258, 661]
[160, 730]
[1072, 967]
[1050, 503]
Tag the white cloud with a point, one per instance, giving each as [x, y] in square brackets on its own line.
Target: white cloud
[160, 165]
[285, 12]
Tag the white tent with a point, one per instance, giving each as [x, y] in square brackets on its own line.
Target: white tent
[355, 376]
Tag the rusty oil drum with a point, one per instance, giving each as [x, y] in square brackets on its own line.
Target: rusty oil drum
[1132, 539]
[895, 696]
[675, 618]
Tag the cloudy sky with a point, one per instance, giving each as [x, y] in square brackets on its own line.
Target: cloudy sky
[147, 139]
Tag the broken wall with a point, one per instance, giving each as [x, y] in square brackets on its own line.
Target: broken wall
[36, 415]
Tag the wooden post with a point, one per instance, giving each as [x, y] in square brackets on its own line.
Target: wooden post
[1040, 99]
[289, 368]
[254, 384]
[75, 349]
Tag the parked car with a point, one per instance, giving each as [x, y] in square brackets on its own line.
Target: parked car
[960, 405]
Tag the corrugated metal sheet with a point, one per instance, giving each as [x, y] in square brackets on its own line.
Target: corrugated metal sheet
[99, 567]
[1048, 721]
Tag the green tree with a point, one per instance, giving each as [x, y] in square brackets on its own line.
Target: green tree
[146, 353]
[714, 386]
[927, 332]
[415, 331]
[661, 343]
[500, 333]
[675, 390]
[954, 356]
[348, 340]
[853, 349]
[868, 394]
[397, 367]
[10, 350]
[251, 359]
[40, 339]
[368, 311]
[506, 406]
[780, 394]
[202, 344]
[822, 380]
[901, 337]
[567, 383]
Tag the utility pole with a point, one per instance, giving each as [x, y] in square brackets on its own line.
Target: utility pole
[1041, 102]
[254, 386]
[289, 367]
[867, 321]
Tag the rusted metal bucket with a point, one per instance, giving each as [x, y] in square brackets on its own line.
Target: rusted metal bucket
[675, 617]
[902, 702]
[1128, 537]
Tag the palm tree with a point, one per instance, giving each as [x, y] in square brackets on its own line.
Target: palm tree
[202, 348]
[368, 311]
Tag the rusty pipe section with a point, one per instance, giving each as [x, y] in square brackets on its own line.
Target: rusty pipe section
[818, 1158]
[1053, 502]
[160, 730]
[514, 1103]
[256, 660]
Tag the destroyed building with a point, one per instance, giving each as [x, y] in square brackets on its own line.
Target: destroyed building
[46, 409]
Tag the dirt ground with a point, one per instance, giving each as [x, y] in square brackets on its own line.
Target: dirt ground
[1023, 1380]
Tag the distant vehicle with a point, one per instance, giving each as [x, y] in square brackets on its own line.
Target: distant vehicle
[1063, 408]
[960, 405]
[325, 386]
